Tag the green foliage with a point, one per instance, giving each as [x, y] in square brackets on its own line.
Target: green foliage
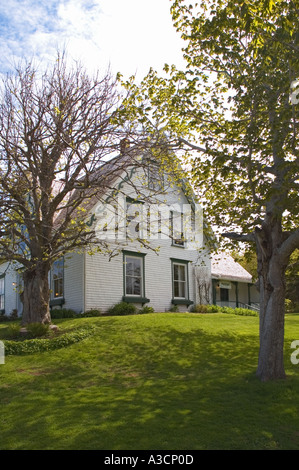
[93, 312]
[14, 314]
[12, 317]
[63, 313]
[218, 309]
[236, 109]
[13, 331]
[199, 308]
[182, 382]
[233, 107]
[69, 313]
[239, 311]
[291, 306]
[288, 305]
[4, 318]
[31, 346]
[146, 309]
[292, 278]
[37, 329]
[174, 308]
[122, 308]
[213, 308]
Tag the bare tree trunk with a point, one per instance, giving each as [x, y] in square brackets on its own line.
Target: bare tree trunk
[35, 295]
[272, 311]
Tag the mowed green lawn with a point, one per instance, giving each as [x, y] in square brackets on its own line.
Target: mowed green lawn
[164, 381]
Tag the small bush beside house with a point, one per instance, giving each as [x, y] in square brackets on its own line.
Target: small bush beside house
[218, 309]
[122, 308]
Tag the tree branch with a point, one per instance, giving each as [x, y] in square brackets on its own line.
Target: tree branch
[249, 237]
[193, 146]
[289, 245]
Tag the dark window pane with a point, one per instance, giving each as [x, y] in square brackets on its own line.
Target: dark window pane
[129, 285]
[137, 286]
[133, 276]
[224, 295]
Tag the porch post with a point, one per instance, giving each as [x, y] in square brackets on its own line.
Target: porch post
[249, 294]
[214, 291]
[237, 293]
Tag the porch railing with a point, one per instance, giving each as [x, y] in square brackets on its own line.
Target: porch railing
[233, 304]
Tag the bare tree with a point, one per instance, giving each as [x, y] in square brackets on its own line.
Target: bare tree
[203, 285]
[56, 130]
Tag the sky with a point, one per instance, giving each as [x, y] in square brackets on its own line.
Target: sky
[130, 36]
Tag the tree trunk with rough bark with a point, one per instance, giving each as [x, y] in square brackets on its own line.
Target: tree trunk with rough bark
[272, 309]
[35, 296]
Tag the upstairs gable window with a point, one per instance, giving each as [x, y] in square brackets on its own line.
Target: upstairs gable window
[177, 228]
[155, 178]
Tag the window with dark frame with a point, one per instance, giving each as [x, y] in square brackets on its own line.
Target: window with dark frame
[134, 215]
[180, 281]
[155, 178]
[133, 275]
[57, 279]
[224, 295]
[2, 293]
[177, 228]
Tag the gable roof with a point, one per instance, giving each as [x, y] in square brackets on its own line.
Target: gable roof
[223, 266]
[105, 177]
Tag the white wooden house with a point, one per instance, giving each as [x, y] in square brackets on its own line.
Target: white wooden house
[164, 275]
[232, 285]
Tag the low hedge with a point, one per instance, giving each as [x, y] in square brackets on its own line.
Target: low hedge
[218, 309]
[31, 346]
[69, 313]
[122, 308]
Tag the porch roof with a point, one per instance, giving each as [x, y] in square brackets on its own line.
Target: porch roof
[223, 266]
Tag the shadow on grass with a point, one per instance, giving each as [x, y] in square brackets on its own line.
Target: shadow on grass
[155, 388]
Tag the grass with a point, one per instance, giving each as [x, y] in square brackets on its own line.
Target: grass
[158, 382]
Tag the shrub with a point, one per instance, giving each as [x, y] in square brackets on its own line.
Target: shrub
[227, 310]
[239, 311]
[14, 314]
[93, 312]
[31, 346]
[218, 309]
[122, 308]
[213, 308]
[147, 309]
[199, 308]
[291, 306]
[245, 311]
[174, 308]
[63, 313]
[4, 318]
[37, 330]
[13, 331]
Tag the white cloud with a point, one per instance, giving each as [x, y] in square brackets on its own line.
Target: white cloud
[131, 35]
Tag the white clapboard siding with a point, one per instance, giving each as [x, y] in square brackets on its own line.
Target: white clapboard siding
[74, 282]
[10, 288]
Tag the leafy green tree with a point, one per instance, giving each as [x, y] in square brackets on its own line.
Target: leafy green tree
[236, 109]
[292, 280]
